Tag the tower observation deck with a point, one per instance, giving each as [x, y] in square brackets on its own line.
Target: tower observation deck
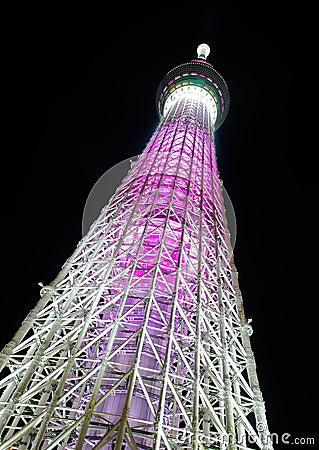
[141, 341]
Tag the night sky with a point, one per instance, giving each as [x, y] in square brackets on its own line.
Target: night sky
[84, 85]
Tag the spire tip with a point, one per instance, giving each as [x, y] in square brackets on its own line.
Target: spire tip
[203, 50]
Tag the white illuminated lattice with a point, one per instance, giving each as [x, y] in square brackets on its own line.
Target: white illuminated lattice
[190, 91]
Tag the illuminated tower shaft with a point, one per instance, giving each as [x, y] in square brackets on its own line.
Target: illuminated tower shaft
[141, 341]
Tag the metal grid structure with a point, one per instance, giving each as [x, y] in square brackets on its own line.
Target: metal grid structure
[141, 341]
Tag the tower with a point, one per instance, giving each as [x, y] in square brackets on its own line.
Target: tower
[141, 341]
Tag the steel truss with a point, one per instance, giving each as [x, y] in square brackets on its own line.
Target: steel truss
[141, 341]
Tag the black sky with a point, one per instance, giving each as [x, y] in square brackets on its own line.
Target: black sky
[85, 79]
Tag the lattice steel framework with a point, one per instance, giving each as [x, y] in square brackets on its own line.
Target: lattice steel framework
[141, 341]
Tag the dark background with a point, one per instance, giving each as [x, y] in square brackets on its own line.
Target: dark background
[84, 85]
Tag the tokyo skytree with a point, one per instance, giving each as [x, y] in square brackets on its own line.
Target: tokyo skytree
[141, 341]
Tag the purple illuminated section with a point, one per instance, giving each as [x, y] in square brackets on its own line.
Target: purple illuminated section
[202, 61]
[173, 202]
